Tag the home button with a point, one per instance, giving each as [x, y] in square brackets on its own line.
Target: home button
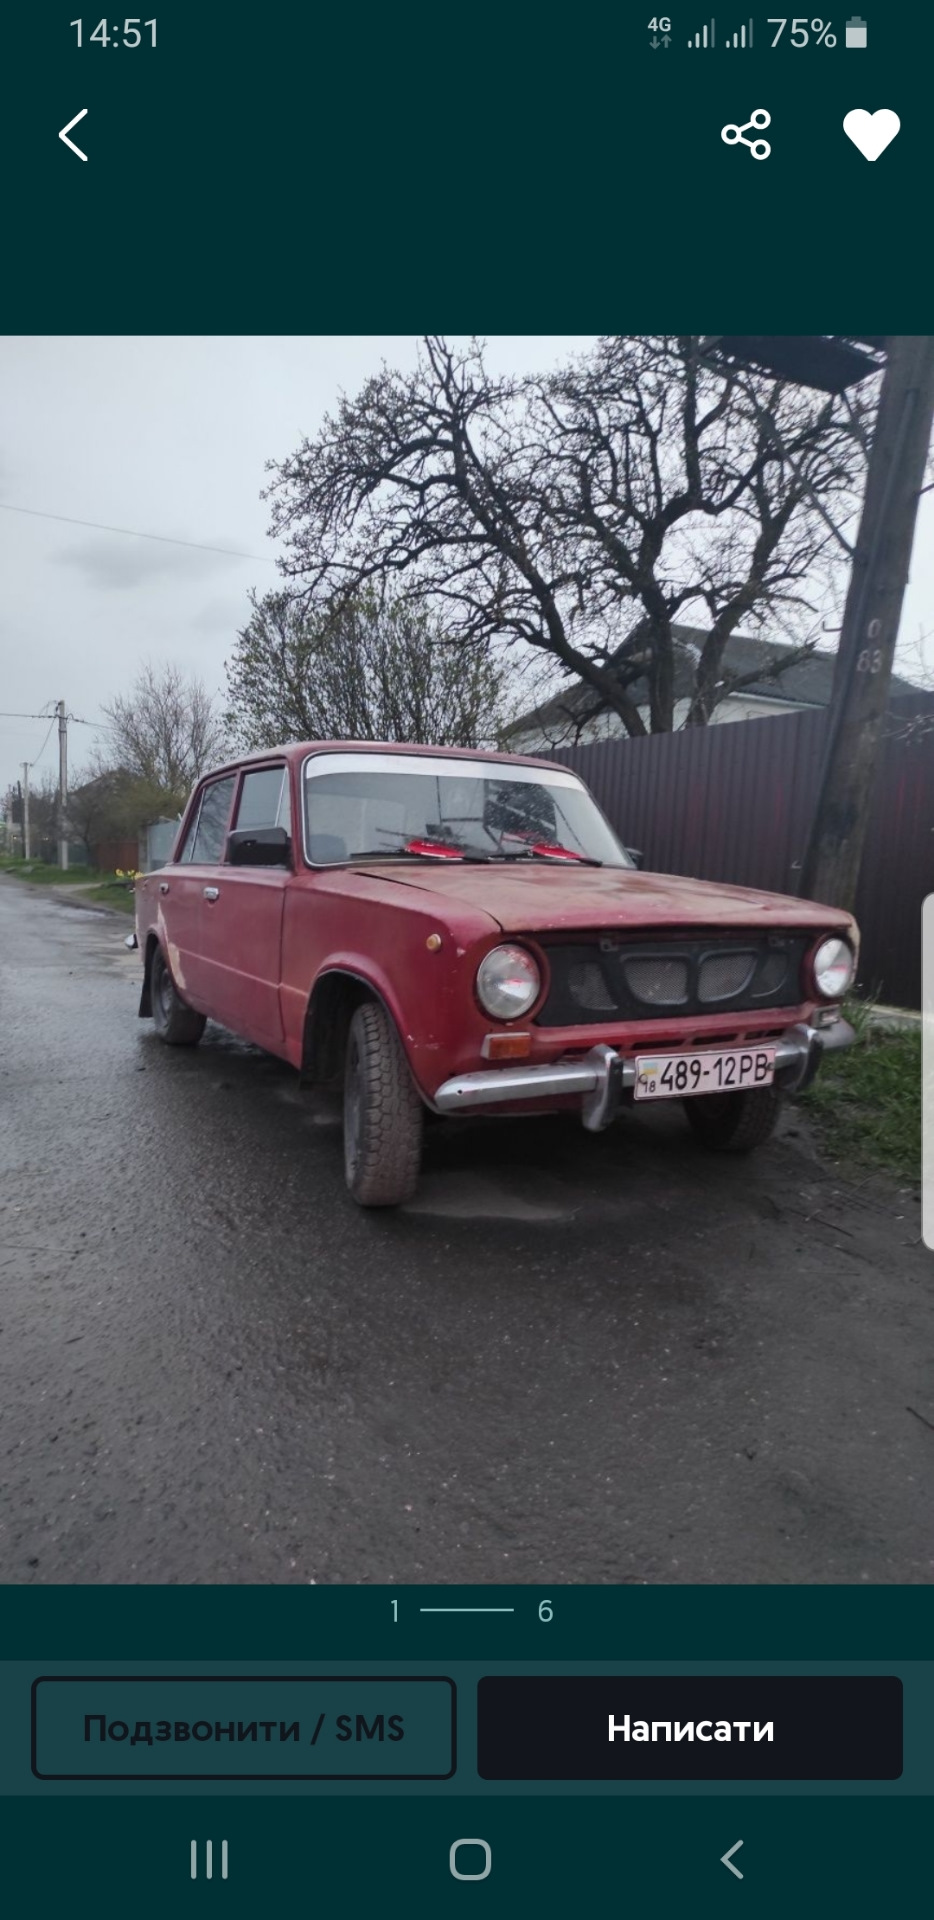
[487, 1852]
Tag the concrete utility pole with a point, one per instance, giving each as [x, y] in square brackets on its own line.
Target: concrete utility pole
[25, 809]
[62, 786]
[831, 862]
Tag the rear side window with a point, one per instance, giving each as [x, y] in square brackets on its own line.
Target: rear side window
[204, 841]
[261, 798]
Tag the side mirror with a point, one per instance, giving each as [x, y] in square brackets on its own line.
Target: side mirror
[636, 856]
[259, 847]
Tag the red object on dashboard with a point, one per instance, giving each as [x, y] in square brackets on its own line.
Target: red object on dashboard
[434, 849]
[549, 850]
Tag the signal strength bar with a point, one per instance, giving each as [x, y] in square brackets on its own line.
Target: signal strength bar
[740, 38]
[700, 38]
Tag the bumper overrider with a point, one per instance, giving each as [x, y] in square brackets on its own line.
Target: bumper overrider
[602, 1075]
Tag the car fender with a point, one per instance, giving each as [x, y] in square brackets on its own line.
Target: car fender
[340, 985]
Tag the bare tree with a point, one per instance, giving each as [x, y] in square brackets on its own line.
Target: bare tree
[43, 808]
[696, 487]
[110, 803]
[166, 732]
[360, 671]
[914, 659]
[584, 513]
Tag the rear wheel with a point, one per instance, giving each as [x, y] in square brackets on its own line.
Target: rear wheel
[383, 1115]
[176, 1024]
[734, 1122]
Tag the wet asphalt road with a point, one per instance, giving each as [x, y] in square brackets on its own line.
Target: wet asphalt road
[572, 1359]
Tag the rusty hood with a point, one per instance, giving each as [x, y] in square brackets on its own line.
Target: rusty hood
[544, 896]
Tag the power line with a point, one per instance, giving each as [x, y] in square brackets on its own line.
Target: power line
[34, 762]
[76, 717]
[33, 716]
[100, 725]
[133, 533]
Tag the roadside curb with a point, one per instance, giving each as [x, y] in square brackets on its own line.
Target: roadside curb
[895, 1019]
[65, 895]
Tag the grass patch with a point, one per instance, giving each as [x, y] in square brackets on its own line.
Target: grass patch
[99, 887]
[45, 874]
[113, 893]
[867, 1100]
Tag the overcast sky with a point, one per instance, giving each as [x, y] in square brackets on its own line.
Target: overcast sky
[169, 436]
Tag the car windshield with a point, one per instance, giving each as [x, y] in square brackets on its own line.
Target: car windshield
[392, 806]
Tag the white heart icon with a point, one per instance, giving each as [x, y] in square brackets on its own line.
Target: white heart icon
[871, 132]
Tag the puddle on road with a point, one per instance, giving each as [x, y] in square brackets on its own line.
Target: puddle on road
[72, 909]
[80, 913]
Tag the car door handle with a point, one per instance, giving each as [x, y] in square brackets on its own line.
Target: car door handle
[211, 893]
[163, 886]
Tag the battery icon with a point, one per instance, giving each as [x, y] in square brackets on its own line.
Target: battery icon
[856, 32]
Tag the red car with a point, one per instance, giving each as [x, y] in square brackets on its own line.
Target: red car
[454, 932]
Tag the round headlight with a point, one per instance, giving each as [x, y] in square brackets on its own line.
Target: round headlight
[508, 982]
[834, 967]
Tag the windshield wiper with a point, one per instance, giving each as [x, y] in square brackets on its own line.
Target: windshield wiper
[543, 851]
[419, 848]
[413, 853]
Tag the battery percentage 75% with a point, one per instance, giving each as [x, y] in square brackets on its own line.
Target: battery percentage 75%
[802, 30]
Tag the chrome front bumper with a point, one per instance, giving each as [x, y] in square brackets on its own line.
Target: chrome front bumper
[601, 1075]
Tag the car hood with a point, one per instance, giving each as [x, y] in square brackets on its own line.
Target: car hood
[549, 896]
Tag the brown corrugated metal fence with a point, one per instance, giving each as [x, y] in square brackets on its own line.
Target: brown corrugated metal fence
[111, 854]
[732, 802]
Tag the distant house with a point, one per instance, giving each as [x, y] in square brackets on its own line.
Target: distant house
[570, 716]
[121, 822]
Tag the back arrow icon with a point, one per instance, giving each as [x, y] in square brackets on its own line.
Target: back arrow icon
[65, 131]
[727, 1858]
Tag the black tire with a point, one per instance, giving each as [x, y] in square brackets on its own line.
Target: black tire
[176, 1024]
[383, 1114]
[734, 1122]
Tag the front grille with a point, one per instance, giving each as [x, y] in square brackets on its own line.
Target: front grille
[657, 982]
[589, 989]
[723, 975]
[613, 979]
[772, 973]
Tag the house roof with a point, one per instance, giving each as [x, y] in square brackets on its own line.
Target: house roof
[109, 777]
[808, 683]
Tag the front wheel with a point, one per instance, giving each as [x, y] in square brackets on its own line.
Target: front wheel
[176, 1024]
[383, 1115]
[734, 1122]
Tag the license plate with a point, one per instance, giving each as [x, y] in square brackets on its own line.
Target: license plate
[673, 1076]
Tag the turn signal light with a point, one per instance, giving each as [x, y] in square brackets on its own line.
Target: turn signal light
[507, 1046]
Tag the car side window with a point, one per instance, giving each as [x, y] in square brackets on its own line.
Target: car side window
[187, 847]
[260, 798]
[207, 843]
[284, 815]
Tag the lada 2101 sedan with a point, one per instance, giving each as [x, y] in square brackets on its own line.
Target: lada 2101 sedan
[454, 932]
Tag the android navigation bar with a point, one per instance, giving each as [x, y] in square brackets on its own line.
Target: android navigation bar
[65, 131]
